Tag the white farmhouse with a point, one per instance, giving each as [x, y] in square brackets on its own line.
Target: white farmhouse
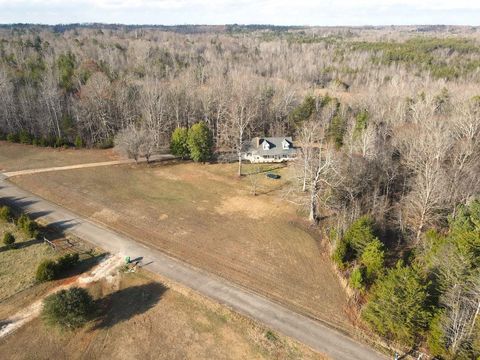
[269, 149]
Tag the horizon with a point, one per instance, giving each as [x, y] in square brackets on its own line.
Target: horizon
[221, 12]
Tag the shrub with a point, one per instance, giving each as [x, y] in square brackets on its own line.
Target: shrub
[67, 262]
[27, 225]
[200, 142]
[8, 239]
[69, 309]
[24, 137]
[6, 213]
[46, 271]
[13, 137]
[178, 143]
[340, 253]
[356, 280]
[78, 142]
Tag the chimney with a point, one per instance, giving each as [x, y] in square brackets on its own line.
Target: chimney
[257, 141]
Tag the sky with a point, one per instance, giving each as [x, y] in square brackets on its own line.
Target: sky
[277, 12]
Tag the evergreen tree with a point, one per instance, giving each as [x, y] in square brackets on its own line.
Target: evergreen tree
[397, 307]
[200, 142]
[179, 143]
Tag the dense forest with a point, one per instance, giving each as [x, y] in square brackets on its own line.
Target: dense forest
[386, 121]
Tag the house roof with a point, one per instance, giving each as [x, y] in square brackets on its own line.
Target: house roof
[255, 146]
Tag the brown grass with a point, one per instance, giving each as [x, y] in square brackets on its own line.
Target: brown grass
[143, 319]
[205, 215]
[18, 265]
[15, 157]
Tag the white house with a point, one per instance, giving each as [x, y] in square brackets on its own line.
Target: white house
[269, 149]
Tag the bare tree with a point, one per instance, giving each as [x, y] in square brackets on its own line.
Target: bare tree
[243, 110]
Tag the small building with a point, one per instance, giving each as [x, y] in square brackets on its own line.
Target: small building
[269, 149]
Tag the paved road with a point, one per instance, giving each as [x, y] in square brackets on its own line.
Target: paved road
[273, 315]
[154, 158]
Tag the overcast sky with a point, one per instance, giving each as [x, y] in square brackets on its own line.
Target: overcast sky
[278, 12]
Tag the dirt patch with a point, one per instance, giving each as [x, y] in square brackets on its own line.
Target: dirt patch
[106, 215]
[248, 206]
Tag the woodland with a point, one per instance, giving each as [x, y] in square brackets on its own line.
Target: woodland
[386, 122]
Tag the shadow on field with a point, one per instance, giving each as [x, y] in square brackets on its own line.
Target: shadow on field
[124, 304]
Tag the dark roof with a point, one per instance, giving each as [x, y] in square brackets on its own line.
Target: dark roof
[255, 146]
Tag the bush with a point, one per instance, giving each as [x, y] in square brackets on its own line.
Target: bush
[78, 142]
[46, 271]
[200, 142]
[356, 280]
[27, 225]
[8, 239]
[66, 262]
[178, 143]
[13, 137]
[340, 253]
[25, 137]
[6, 213]
[69, 309]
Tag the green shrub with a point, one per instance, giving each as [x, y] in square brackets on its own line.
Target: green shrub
[340, 253]
[13, 137]
[78, 142]
[8, 239]
[25, 137]
[68, 309]
[178, 143]
[66, 262]
[200, 142]
[27, 225]
[6, 213]
[46, 271]
[356, 280]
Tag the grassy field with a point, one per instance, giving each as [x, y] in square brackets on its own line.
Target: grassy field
[18, 265]
[142, 318]
[206, 216]
[21, 157]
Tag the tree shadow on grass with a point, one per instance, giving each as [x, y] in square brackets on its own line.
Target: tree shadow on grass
[124, 304]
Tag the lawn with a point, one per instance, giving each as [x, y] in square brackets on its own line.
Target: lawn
[18, 265]
[142, 318]
[15, 157]
[205, 215]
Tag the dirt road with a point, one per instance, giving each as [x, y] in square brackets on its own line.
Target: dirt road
[83, 166]
[277, 317]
